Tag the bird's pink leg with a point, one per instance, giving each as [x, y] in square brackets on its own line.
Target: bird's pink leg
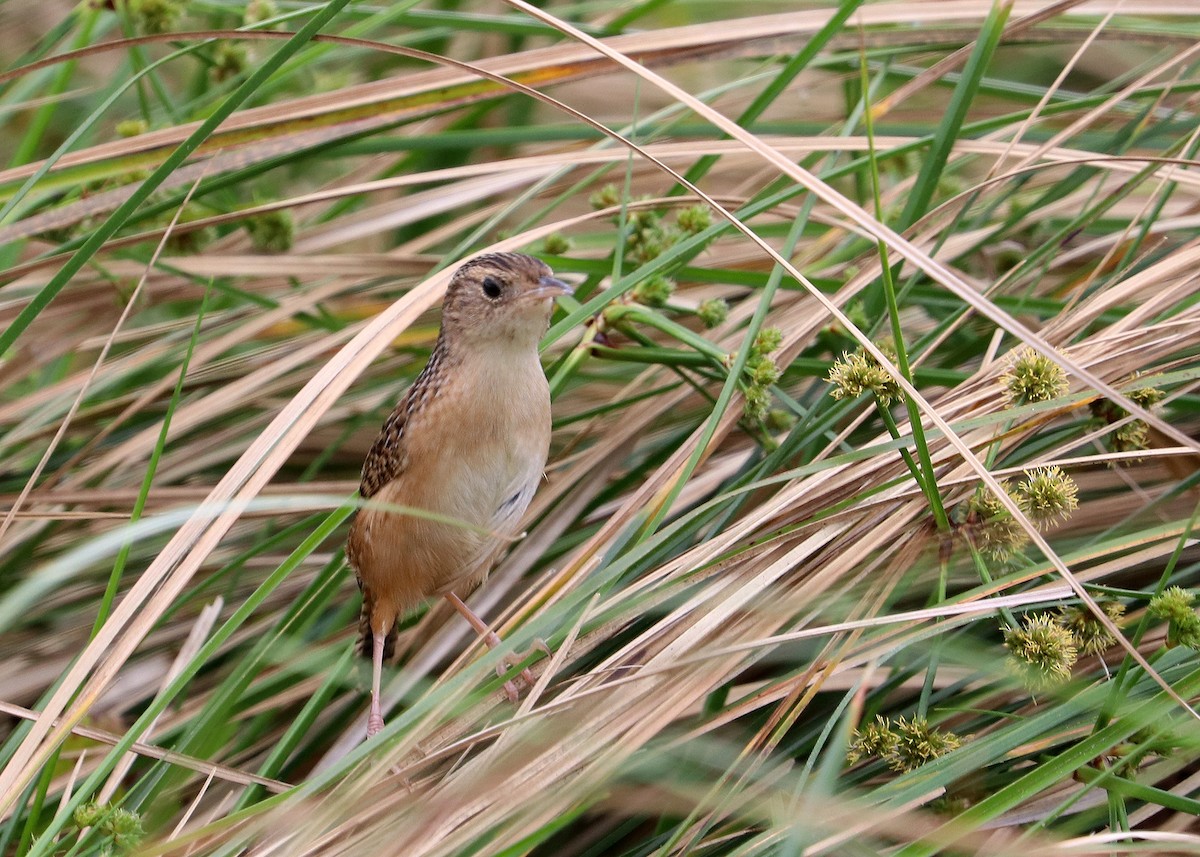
[491, 639]
[375, 719]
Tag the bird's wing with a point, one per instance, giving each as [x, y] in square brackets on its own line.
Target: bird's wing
[387, 459]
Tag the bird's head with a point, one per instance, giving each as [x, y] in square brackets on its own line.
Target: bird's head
[500, 298]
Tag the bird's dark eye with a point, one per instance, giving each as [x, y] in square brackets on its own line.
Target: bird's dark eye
[492, 287]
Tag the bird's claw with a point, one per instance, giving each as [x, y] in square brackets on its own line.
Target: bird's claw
[512, 659]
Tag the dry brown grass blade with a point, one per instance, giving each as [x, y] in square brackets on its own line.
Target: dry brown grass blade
[150, 751]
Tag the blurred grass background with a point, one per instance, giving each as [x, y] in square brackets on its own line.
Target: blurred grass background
[869, 521]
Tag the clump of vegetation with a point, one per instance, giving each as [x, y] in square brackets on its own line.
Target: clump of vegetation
[741, 536]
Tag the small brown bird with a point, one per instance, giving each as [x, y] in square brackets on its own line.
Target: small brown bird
[469, 442]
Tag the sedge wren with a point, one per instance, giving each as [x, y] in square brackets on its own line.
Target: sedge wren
[467, 442]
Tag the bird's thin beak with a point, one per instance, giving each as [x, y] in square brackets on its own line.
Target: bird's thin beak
[550, 287]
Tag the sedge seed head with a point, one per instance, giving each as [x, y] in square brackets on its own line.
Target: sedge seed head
[258, 11]
[229, 59]
[1091, 637]
[1047, 494]
[768, 340]
[272, 231]
[712, 312]
[606, 197]
[155, 16]
[1032, 377]
[763, 371]
[1174, 603]
[694, 220]
[556, 244]
[857, 373]
[757, 403]
[1041, 652]
[917, 743]
[1130, 437]
[654, 292]
[872, 740]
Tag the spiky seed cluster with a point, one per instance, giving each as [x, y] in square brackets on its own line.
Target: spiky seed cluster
[996, 532]
[155, 16]
[858, 372]
[917, 743]
[712, 312]
[1032, 377]
[556, 244]
[1091, 637]
[258, 11]
[654, 292]
[874, 740]
[1135, 434]
[1183, 625]
[1046, 494]
[606, 197]
[763, 372]
[122, 827]
[229, 59]
[694, 220]
[904, 745]
[1041, 652]
[272, 231]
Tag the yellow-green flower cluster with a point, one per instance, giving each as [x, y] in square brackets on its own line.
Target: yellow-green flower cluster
[712, 312]
[122, 827]
[272, 231]
[229, 59]
[903, 745]
[763, 372]
[1032, 377]
[1041, 652]
[1091, 637]
[1045, 495]
[556, 244]
[1133, 435]
[155, 16]
[1183, 625]
[655, 291]
[857, 373]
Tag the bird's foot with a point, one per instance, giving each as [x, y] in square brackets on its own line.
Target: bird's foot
[512, 659]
